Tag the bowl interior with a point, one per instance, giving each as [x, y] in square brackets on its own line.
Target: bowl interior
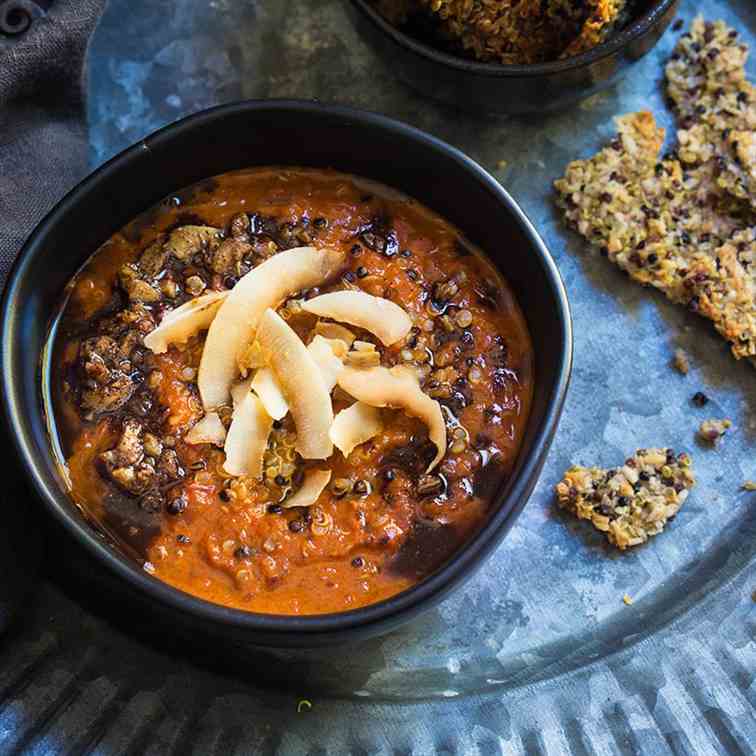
[285, 133]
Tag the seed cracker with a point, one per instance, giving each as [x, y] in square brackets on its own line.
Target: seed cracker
[716, 105]
[670, 222]
[633, 502]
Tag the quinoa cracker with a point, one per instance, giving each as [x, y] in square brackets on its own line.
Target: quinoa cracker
[630, 503]
[716, 105]
[682, 223]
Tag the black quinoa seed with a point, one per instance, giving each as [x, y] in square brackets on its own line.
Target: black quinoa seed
[178, 505]
[223, 495]
[280, 480]
[361, 487]
[277, 425]
[275, 509]
[243, 552]
[700, 399]
[358, 562]
[349, 277]
[406, 253]
[320, 223]
[184, 539]
[296, 526]
[362, 271]
[356, 250]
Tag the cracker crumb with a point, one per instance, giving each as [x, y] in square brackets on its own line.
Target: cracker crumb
[711, 431]
[749, 485]
[628, 601]
[501, 165]
[633, 502]
[680, 362]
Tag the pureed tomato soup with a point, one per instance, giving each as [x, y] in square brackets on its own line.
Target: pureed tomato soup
[308, 453]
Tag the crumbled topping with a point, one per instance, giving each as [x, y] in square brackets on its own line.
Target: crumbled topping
[528, 31]
[633, 502]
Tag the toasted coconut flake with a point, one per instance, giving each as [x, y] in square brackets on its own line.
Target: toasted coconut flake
[266, 387]
[354, 425]
[326, 353]
[233, 329]
[209, 430]
[397, 387]
[302, 385]
[240, 390]
[250, 358]
[363, 355]
[247, 438]
[312, 486]
[334, 331]
[363, 346]
[389, 322]
[179, 325]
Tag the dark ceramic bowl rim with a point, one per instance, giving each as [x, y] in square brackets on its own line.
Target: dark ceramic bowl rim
[386, 611]
[630, 33]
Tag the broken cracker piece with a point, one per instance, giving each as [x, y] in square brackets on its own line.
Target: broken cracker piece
[633, 502]
[711, 431]
[657, 221]
[680, 362]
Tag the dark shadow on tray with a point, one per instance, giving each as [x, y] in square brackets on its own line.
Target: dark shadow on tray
[292, 672]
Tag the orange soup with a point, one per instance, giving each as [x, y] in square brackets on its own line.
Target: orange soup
[327, 417]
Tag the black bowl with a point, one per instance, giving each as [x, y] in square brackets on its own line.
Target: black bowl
[278, 133]
[499, 88]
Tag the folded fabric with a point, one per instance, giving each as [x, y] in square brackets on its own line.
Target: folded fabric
[43, 153]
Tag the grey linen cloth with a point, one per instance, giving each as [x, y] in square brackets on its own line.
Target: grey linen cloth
[43, 153]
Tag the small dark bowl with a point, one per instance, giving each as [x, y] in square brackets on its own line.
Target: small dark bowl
[510, 89]
[275, 133]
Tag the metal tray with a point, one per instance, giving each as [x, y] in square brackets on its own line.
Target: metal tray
[538, 654]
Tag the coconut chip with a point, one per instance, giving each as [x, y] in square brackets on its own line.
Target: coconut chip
[355, 425]
[398, 388]
[382, 317]
[264, 287]
[179, 325]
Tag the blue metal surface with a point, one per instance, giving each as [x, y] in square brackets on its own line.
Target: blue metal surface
[538, 654]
